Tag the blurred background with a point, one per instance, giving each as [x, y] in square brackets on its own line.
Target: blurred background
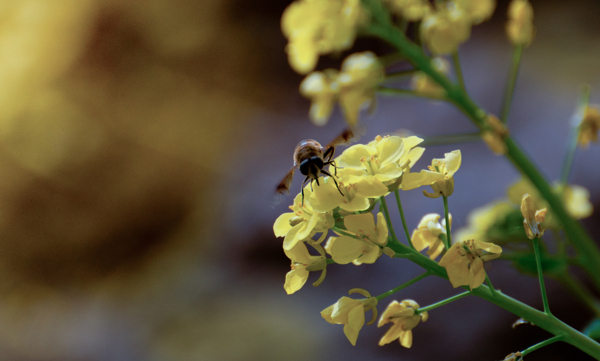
[140, 144]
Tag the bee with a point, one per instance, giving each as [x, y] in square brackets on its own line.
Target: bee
[311, 158]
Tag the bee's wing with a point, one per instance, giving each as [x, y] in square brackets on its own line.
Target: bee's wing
[284, 186]
[349, 135]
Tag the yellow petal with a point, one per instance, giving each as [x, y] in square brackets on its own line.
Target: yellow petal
[353, 155]
[389, 150]
[477, 273]
[406, 339]
[346, 249]
[295, 279]
[326, 196]
[282, 224]
[356, 320]
[291, 238]
[298, 253]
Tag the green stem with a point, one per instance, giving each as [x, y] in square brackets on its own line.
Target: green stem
[443, 302]
[458, 71]
[573, 136]
[538, 261]
[402, 286]
[488, 282]
[541, 344]
[404, 225]
[510, 82]
[409, 92]
[446, 215]
[330, 261]
[575, 233]
[450, 139]
[388, 219]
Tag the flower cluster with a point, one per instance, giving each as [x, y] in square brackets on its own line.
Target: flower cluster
[315, 27]
[404, 319]
[354, 87]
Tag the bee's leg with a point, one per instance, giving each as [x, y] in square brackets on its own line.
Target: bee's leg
[336, 183]
[328, 155]
[335, 167]
[317, 180]
[303, 183]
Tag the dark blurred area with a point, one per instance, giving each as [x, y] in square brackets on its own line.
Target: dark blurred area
[140, 144]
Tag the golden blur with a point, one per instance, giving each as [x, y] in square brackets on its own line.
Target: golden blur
[115, 120]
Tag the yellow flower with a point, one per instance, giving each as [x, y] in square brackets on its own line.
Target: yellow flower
[303, 223]
[315, 27]
[444, 30]
[440, 175]
[360, 75]
[589, 126]
[302, 263]
[322, 88]
[576, 199]
[477, 10]
[533, 218]
[428, 232]
[519, 28]
[411, 10]
[356, 196]
[464, 262]
[367, 244]
[403, 316]
[423, 84]
[351, 313]
[382, 160]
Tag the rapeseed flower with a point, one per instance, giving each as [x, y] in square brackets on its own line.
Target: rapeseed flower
[302, 263]
[429, 234]
[519, 28]
[366, 243]
[589, 126]
[440, 175]
[464, 262]
[359, 77]
[383, 160]
[303, 222]
[445, 29]
[315, 27]
[533, 217]
[322, 88]
[351, 313]
[403, 316]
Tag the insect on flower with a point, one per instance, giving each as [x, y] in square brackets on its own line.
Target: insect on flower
[311, 158]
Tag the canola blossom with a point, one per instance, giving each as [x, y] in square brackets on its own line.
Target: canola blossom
[350, 312]
[403, 318]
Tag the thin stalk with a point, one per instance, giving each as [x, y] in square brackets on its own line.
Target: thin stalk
[388, 219]
[573, 136]
[404, 225]
[446, 215]
[541, 344]
[458, 70]
[511, 80]
[443, 302]
[538, 261]
[450, 139]
[402, 286]
[408, 92]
